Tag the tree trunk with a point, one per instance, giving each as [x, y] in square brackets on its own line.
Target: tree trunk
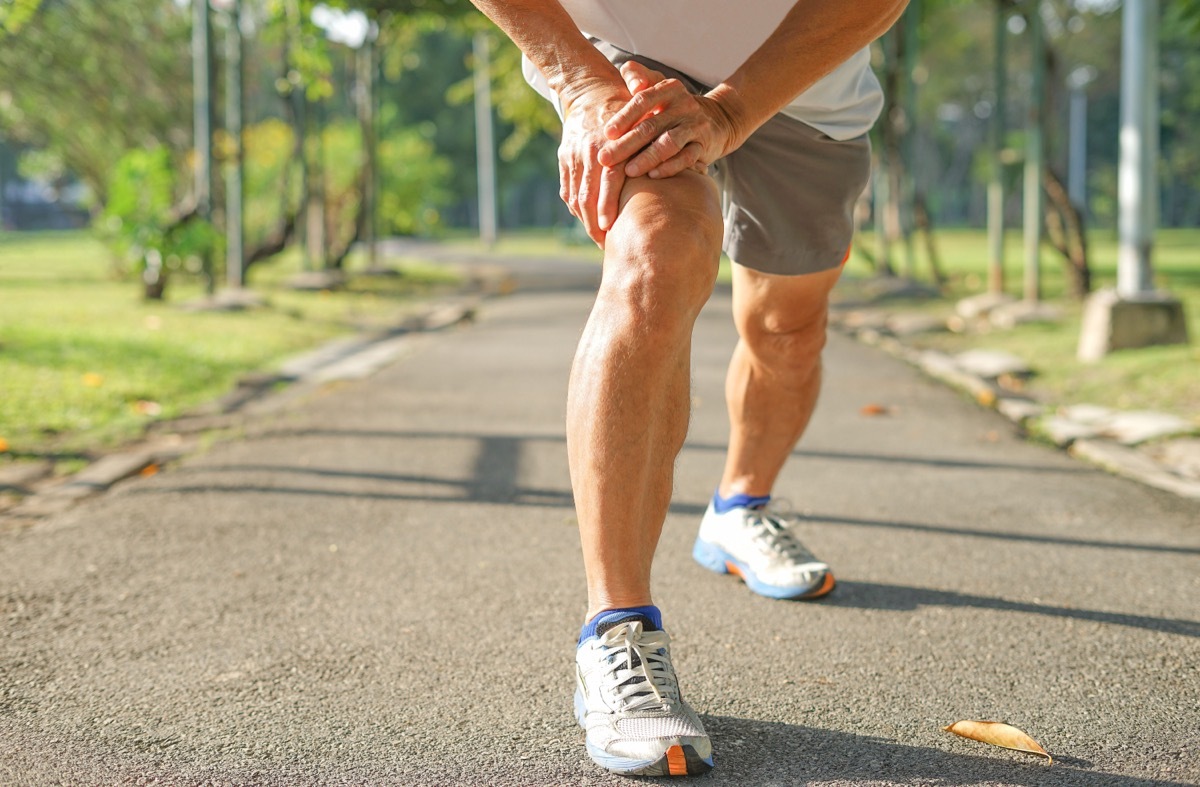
[275, 243]
[925, 224]
[1068, 234]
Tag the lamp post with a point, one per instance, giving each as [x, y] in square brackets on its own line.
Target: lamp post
[1034, 157]
[202, 120]
[1135, 314]
[235, 162]
[1077, 84]
[484, 140]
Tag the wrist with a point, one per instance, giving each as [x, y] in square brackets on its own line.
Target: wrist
[572, 90]
[732, 108]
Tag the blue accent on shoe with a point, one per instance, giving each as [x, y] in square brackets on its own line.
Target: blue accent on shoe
[716, 559]
[650, 613]
[724, 505]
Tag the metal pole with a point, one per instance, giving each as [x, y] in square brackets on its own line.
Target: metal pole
[1137, 183]
[1033, 157]
[1077, 163]
[484, 144]
[912, 44]
[202, 119]
[365, 62]
[235, 233]
[995, 194]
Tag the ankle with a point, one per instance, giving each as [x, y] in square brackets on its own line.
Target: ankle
[723, 503]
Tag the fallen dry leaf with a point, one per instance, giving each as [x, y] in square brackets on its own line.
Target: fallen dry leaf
[148, 471]
[874, 409]
[997, 733]
[146, 407]
[93, 380]
[986, 398]
[3, 445]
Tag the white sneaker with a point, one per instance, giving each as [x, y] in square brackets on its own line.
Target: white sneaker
[757, 545]
[627, 699]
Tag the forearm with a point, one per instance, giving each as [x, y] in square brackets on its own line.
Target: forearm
[814, 38]
[547, 35]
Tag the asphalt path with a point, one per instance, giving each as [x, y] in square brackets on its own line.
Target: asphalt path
[381, 584]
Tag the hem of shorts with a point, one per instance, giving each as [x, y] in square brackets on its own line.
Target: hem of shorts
[778, 263]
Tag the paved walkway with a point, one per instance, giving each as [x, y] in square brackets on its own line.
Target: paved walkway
[382, 584]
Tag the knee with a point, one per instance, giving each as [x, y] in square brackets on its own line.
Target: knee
[793, 339]
[661, 256]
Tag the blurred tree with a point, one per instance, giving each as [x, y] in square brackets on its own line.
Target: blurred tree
[75, 87]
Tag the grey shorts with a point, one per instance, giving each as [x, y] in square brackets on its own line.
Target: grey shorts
[788, 193]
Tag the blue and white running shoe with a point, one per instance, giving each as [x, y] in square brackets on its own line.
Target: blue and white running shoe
[757, 544]
[627, 700]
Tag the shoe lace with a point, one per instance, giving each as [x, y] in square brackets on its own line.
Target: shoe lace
[640, 676]
[773, 534]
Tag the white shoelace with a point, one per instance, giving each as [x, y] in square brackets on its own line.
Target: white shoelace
[773, 534]
[636, 653]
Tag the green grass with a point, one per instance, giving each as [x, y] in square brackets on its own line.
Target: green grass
[81, 353]
[1160, 378]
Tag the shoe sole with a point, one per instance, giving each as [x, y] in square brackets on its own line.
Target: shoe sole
[719, 561]
[680, 759]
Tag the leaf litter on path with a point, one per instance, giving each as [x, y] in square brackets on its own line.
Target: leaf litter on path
[997, 733]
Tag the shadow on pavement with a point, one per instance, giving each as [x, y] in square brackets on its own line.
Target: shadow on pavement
[821, 519]
[925, 461]
[771, 754]
[898, 598]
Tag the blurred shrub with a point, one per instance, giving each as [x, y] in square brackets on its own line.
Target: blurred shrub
[414, 184]
[140, 222]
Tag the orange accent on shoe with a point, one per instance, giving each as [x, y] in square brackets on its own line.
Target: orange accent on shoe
[676, 761]
[826, 586]
[733, 569]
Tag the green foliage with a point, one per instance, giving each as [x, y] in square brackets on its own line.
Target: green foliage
[527, 114]
[14, 14]
[269, 149]
[413, 184]
[90, 81]
[138, 217]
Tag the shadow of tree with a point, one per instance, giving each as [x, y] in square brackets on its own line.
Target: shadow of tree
[898, 598]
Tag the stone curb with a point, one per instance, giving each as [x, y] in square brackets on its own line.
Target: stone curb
[1027, 414]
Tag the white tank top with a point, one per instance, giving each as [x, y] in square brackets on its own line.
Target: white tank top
[709, 39]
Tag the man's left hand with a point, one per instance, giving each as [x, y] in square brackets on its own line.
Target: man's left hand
[664, 129]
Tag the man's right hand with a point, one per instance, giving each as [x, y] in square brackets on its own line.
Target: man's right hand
[590, 190]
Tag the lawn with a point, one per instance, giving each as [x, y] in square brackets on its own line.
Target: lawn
[1160, 378]
[85, 362]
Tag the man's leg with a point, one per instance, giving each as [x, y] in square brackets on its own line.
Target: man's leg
[771, 390]
[627, 409]
[627, 416]
[775, 375]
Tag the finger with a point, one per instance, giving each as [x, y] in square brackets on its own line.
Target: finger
[564, 182]
[639, 77]
[573, 188]
[668, 144]
[587, 198]
[654, 97]
[617, 151]
[685, 159]
[608, 204]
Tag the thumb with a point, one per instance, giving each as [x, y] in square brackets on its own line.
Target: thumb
[638, 77]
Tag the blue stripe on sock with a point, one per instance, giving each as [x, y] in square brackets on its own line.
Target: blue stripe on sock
[724, 505]
[651, 613]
